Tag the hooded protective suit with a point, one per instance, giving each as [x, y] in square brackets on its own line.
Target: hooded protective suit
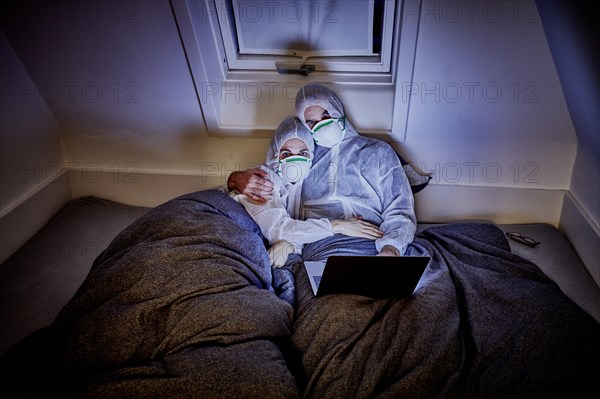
[360, 176]
[277, 218]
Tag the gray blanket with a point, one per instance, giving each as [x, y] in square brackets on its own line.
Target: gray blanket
[483, 323]
[181, 304]
[184, 304]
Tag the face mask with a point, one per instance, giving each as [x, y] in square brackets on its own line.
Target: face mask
[328, 132]
[294, 169]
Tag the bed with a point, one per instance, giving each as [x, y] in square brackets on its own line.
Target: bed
[183, 303]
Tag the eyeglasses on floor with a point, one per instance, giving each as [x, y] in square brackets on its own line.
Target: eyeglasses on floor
[522, 239]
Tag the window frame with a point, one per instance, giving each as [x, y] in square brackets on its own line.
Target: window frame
[381, 63]
[200, 35]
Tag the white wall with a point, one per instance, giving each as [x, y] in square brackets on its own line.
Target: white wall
[133, 104]
[572, 33]
[486, 109]
[29, 135]
[115, 76]
[31, 159]
[487, 98]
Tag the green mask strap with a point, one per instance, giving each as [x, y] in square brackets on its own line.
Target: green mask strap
[343, 119]
[319, 125]
[296, 159]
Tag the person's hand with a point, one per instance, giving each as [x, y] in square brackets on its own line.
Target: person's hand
[356, 227]
[253, 183]
[279, 252]
[388, 250]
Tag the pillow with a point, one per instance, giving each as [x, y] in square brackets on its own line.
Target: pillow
[417, 180]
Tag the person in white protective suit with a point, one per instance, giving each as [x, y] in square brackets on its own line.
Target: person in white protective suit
[351, 175]
[288, 163]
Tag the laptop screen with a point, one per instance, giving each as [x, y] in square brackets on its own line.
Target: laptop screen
[373, 276]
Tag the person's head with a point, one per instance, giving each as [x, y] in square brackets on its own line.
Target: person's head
[314, 114]
[294, 147]
[322, 112]
[291, 150]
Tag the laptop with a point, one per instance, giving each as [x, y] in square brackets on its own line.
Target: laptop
[372, 276]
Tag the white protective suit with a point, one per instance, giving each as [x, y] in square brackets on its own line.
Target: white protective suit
[278, 218]
[360, 176]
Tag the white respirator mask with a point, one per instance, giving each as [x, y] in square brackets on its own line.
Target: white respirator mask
[329, 132]
[294, 168]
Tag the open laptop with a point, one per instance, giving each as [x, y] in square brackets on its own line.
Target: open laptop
[372, 276]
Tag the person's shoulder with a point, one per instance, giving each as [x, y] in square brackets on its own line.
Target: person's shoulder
[267, 169]
[373, 143]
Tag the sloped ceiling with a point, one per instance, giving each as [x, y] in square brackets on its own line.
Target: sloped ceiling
[96, 63]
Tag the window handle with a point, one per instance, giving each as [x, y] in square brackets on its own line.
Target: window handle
[299, 69]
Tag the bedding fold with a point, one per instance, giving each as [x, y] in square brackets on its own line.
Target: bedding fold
[184, 303]
[482, 323]
[183, 295]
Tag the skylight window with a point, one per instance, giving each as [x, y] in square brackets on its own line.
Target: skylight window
[236, 48]
[332, 35]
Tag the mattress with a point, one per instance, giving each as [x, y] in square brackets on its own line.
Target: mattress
[43, 275]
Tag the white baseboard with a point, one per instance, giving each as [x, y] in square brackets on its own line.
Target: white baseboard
[436, 203]
[140, 189]
[583, 234]
[22, 221]
[502, 205]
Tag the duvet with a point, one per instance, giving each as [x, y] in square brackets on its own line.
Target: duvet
[184, 304]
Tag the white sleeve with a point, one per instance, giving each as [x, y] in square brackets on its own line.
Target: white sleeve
[399, 220]
[276, 224]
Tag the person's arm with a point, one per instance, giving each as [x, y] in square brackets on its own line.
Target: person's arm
[277, 225]
[399, 221]
[253, 183]
[356, 227]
